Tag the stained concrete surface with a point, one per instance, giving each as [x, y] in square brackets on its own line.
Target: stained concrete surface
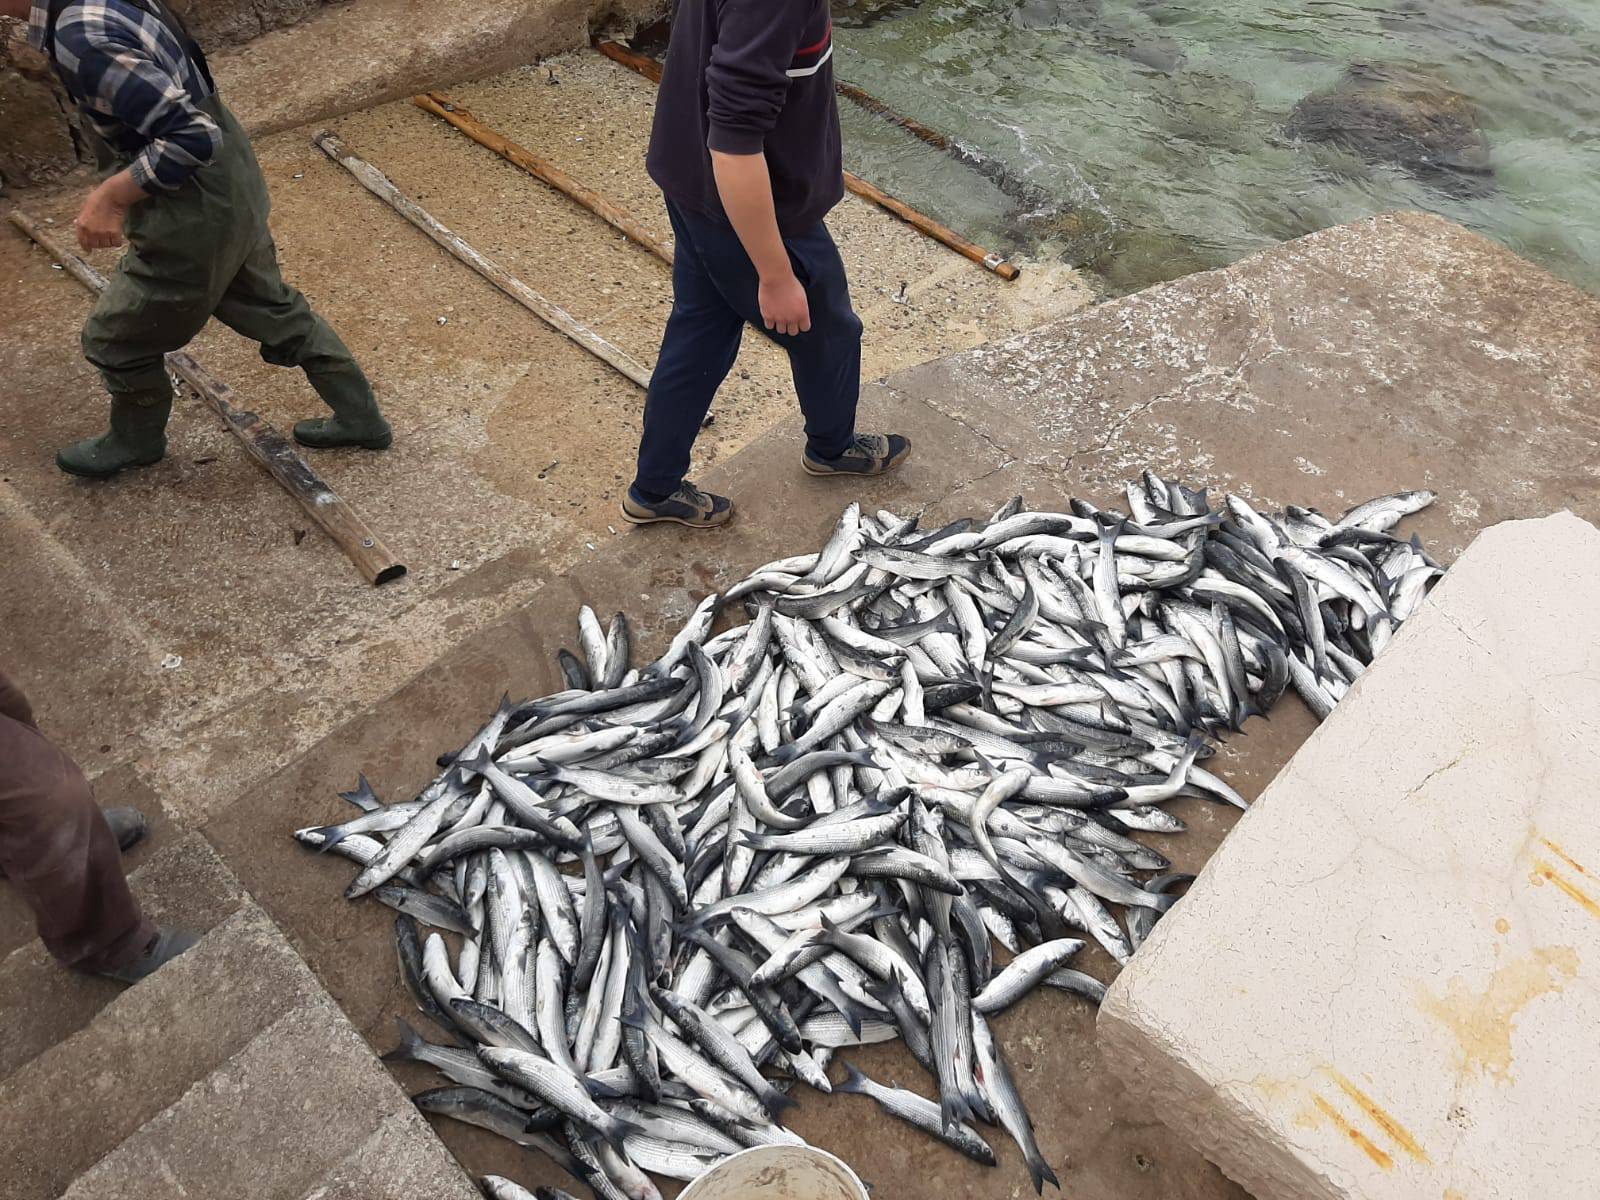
[1414, 1014]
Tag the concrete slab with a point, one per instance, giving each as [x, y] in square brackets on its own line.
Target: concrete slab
[183, 882]
[1382, 986]
[1401, 351]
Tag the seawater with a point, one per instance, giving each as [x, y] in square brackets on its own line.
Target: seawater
[1156, 129]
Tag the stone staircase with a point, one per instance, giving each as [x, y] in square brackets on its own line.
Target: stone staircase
[230, 1073]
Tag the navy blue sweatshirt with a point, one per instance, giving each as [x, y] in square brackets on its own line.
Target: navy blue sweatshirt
[742, 77]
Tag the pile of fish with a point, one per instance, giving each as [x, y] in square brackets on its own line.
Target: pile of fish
[678, 890]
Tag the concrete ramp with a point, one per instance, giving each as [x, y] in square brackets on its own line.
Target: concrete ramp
[1387, 981]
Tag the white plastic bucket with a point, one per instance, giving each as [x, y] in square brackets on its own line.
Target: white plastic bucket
[777, 1173]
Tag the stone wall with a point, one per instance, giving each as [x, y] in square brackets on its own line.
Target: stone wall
[373, 50]
[36, 141]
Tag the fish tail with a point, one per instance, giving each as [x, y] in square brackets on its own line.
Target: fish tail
[854, 1081]
[1041, 1172]
[410, 1043]
[617, 1131]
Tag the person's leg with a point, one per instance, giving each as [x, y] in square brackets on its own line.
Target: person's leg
[825, 360]
[147, 310]
[58, 850]
[259, 305]
[697, 352]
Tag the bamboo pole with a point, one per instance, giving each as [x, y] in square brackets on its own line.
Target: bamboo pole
[381, 186]
[651, 70]
[619, 219]
[264, 443]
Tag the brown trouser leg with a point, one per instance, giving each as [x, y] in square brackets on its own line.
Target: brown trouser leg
[58, 851]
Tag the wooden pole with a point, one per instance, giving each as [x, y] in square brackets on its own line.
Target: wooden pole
[1003, 177]
[264, 443]
[619, 219]
[651, 70]
[380, 185]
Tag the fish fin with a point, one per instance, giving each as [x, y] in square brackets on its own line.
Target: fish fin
[410, 1042]
[854, 1081]
[330, 839]
[363, 797]
[1042, 1174]
[617, 1131]
[601, 1091]
[853, 1015]
[478, 763]
[776, 1103]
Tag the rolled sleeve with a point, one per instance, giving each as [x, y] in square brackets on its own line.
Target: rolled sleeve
[747, 78]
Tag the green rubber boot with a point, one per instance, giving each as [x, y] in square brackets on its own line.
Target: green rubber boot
[137, 438]
[355, 422]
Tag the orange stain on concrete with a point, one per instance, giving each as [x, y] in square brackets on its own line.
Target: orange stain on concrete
[1564, 856]
[1398, 1133]
[1543, 871]
[1483, 1021]
[1502, 926]
[1375, 1153]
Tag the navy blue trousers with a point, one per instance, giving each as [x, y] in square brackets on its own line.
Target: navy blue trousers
[714, 295]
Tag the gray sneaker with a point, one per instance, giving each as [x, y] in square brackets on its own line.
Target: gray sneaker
[687, 506]
[869, 454]
[128, 825]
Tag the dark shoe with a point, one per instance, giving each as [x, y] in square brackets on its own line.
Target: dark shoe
[137, 438]
[369, 432]
[127, 825]
[869, 454]
[168, 944]
[686, 506]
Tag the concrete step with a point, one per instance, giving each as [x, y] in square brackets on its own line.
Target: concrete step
[402, 1160]
[303, 1110]
[67, 1107]
[302, 1098]
[183, 882]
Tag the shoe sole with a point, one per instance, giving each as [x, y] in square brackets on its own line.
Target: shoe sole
[829, 473]
[684, 521]
[78, 473]
[369, 444]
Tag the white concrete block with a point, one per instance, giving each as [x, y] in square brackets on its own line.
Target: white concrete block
[1386, 983]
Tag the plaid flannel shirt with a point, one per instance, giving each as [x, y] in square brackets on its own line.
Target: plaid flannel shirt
[134, 84]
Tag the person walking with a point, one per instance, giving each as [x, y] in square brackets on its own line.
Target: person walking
[182, 185]
[62, 853]
[745, 147]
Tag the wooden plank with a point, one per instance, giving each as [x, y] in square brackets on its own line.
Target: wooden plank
[264, 443]
[619, 219]
[651, 70]
[381, 186]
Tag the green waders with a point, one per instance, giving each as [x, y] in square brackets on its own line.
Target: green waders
[204, 250]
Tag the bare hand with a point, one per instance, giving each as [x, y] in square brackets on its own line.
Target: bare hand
[784, 307]
[99, 222]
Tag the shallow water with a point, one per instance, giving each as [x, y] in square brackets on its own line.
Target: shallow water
[1152, 132]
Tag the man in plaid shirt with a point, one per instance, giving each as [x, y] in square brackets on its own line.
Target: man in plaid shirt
[181, 183]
